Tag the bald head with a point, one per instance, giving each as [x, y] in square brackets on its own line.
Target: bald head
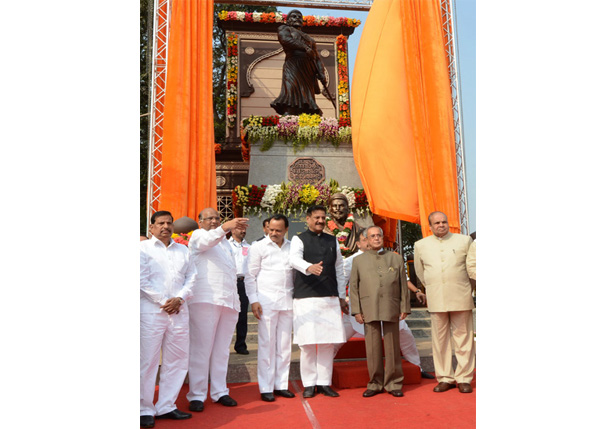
[209, 219]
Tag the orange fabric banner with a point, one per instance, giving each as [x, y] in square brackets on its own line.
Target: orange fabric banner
[402, 123]
[188, 182]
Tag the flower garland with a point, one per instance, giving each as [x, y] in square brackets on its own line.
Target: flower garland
[182, 238]
[342, 236]
[293, 199]
[299, 130]
[232, 78]
[278, 17]
[341, 44]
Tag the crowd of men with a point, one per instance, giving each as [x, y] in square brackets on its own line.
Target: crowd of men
[193, 299]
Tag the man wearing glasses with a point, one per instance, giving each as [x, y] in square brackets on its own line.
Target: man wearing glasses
[213, 309]
[379, 298]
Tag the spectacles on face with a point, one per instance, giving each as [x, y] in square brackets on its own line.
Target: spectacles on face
[375, 236]
[210, 219]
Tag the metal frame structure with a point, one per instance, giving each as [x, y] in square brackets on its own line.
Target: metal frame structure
[162, 12]
[448, 26]
[162, 15]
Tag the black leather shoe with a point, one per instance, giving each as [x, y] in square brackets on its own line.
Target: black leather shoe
[175, 415]
[267, 397]
[309, 392]
[227, 400]
[327, 391]
[427, 375]
[146, 421]
[242, 352]
[368, 393]
[396, 393]
[285, 393]
[196, 406]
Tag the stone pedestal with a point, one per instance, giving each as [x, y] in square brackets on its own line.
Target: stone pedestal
[272, 167]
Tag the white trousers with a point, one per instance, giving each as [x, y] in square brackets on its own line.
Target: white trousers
[171, 333]
[316, 364]
[211, 331]
[274, 349]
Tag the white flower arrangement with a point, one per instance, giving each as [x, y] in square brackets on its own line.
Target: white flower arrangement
[349, 193]
[271, 193]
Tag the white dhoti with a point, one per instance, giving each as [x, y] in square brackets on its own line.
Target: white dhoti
[274, 349]
[169, 332]
[211, 331]
[317, 328]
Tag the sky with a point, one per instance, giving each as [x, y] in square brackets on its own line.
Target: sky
[465, 34]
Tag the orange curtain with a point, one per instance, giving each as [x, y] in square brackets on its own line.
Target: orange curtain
[188, 182]
[402, 124]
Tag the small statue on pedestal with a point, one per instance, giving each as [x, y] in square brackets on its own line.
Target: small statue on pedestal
[341, 224]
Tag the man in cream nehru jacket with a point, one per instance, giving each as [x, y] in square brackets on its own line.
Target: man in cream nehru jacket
[440, 264]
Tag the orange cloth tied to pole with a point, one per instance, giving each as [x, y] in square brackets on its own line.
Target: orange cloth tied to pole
[188, 180]
[402, 122]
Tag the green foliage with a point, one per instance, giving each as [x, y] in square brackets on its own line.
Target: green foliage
[411, 232]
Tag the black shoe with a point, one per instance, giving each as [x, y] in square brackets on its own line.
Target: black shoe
[267, 397]
[227, 400]
[427, 375]
[368, 393]
[396, 393]
[309, 392]
[175, 415]
[285, 393]
[242, 352]
[196, 406]
[327, 391]
[146, 421]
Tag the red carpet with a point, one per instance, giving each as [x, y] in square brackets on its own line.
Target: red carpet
[419, 408]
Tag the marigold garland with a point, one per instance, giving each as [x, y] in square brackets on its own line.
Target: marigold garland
[232, 78]
[342, 236]
[341, 44]
[278, 17]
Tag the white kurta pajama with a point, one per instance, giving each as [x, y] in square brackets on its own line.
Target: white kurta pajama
[214, 311]
[165, 272]
[270, 283]
[317, 321]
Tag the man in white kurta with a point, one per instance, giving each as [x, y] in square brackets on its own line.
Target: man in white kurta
[213, 309]
[440, 264]
[166, 279]
[319, 299]
[269, 286]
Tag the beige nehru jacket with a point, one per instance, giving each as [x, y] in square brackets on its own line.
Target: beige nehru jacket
[440, 264]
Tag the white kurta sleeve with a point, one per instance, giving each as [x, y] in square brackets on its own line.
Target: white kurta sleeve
[145, 283]
[190, 280]
[339, 272]
[297, 256]
[254, 261]
[203, 239]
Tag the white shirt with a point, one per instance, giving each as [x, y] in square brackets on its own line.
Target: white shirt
[215, 265]
[297, 262]
[240, 253]
[348, 266]
[165, 272]
[270, 275]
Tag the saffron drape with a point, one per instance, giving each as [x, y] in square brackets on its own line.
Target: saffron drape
[188, 180]
[402, 123]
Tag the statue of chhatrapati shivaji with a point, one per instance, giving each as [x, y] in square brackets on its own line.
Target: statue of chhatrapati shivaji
[302, 70]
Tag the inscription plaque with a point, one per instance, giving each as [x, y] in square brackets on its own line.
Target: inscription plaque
[306, 170]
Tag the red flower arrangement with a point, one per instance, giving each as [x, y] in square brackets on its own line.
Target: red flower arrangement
[256, 194]
[360, 199]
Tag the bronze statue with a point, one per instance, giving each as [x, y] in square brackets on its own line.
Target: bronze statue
[340, 223]
[301, 70]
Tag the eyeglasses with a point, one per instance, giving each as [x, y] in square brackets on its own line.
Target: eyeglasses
[210, 219]
[375, 235]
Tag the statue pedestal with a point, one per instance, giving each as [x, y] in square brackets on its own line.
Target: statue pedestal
[275, 165]
[271, 167]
